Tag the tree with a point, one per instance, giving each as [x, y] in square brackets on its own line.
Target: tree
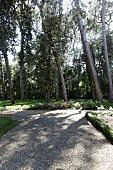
[110, 85]
[89, 58]
[9, 77]
[56, 55]
[25, 25]
[2, 79]
[51, 26]
[7, 34]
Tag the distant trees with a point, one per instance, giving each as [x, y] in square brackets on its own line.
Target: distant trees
[61, 51]
[52, 21]
[110, 85]
[24, 17]
[89, 59]
[90, 62]
[7, 35]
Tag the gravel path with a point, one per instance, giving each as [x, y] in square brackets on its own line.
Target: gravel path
[59, 140]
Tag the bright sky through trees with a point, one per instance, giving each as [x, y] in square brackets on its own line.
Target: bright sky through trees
[66, 5]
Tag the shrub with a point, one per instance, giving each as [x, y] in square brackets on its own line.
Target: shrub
[52, 106]
[90, 104]
[84, 105]
[77, 105]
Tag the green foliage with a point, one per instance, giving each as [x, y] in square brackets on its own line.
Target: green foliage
[52, 105]
[42, 30]
[6, 124]
[90, 104]
[77, 105]
[19, 104]
[106, 104]
[41, 104]
[7, 26]
[101, 126]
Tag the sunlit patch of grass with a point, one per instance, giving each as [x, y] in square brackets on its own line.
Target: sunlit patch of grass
[19, 103]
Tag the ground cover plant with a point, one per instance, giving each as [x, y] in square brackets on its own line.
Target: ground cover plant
[6, 124]
[102, 121]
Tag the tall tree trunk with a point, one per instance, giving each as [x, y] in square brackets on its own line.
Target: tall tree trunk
[90, 82]
[48, 75]
[48, 93]
[110, 85]
[2, 79]
[9, 77]
[22, 80]
[89, 59]
[21, 56]
[61, 75]
[56, 86]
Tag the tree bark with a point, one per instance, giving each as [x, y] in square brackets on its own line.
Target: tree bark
[61, 76]
[48, 75]
[2, 79]
[110, 85]
[90, 82]
[89, 59]
[9, 77]
[21, 56]
[56, 86]
[22, 80]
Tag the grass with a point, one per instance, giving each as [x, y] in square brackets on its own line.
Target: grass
[6, 124]
[20, 103]
[29, 102]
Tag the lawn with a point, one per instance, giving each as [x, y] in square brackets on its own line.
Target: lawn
[19, 103]
[6, 124]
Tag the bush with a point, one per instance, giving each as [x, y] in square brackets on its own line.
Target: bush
[90, 104]
[84, 105]
[77, 105]
[52, 106]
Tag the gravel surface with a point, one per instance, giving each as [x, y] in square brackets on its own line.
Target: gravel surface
[55, 140]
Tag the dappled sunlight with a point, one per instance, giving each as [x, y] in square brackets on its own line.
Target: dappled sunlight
[42, 137]
[61, 141]
[61, 112]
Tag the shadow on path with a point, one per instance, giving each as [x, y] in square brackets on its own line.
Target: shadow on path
[52, 143]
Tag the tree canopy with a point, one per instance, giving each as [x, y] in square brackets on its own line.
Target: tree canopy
[65, 49]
